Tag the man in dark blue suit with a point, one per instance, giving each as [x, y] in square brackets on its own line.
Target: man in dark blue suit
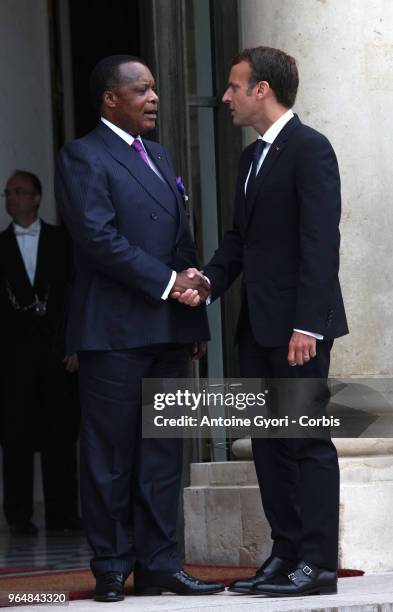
[285, 241]
[118, 196]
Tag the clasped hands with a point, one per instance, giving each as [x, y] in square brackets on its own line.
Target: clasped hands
[191, 287]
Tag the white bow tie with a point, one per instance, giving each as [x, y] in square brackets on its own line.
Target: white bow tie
[27, 232]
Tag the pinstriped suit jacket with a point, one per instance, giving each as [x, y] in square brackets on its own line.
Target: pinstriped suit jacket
[129, 231]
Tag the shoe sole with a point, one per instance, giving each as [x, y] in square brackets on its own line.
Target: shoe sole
[146, 591]
[320, 591]
[240, 591]
[107, 599]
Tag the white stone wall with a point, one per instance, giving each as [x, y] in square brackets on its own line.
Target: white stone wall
[345, 58]
[225, 523]
[26, 135]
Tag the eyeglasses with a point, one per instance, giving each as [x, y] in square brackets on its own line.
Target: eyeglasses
[18, 192]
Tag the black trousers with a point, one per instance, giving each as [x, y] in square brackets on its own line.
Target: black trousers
[39, 412]
[116, 459]
[298, 477]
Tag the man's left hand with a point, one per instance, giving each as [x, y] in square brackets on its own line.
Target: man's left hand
[302, 348]
[198, 350]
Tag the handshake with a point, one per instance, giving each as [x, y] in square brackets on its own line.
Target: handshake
[191, 287]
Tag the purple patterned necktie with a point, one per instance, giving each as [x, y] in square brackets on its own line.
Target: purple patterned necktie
[141, 151]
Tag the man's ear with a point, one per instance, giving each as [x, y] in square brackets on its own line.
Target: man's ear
[109, 99]
[263, 88]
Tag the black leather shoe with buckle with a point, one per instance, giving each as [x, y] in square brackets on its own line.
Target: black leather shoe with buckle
[305, 579]
[181, 583]
[271, 567]
[109, 587]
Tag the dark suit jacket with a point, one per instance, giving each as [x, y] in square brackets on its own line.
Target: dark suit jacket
[129, 230]
[53, 274]
[287, 245]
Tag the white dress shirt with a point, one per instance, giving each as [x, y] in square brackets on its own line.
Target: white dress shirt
[269, 137]
[27, 239]
[129, 139]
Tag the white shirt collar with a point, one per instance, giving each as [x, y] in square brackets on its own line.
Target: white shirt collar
[271, 134]
[124, 135]
[34, 227]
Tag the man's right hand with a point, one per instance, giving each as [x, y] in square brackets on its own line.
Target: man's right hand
[71, 363]
[190, 288]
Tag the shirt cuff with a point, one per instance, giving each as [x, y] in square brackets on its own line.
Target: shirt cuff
[169, 286]
[307, 333]
[208, 300]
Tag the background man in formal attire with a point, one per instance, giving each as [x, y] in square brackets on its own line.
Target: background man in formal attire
[285, 240]
[38, 409]
[118, 196]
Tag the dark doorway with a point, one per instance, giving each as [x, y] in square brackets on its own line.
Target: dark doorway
[98, 28]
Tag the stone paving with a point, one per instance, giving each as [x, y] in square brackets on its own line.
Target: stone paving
[369, 593]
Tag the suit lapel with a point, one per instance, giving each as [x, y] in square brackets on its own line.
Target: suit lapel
[43, 262]
[158, 158]
[244, 169]
[16, 274]
[130, 159]
[274, 153]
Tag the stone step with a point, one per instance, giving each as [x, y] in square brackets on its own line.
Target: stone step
[225, 523]
[369, 593]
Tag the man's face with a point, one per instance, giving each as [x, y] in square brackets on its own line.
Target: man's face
[20, 197]
[133, 105]
[242, 100]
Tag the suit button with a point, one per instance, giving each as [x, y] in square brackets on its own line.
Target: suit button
[154, 216]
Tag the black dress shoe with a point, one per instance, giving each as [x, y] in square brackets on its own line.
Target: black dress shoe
[305, 579]
[109, 587]
[23, 528]
[181, 583]
[271, 567]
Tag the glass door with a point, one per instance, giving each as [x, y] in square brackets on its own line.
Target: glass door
[190, 44]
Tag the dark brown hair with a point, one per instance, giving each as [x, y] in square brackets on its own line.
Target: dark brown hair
[275, 67]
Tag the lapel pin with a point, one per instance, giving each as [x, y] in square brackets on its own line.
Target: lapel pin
[277, 148]
[159, 156]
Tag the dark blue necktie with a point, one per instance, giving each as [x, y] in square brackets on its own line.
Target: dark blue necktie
[256, 155]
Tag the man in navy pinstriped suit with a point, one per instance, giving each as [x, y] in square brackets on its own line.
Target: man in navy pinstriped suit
[118, 196]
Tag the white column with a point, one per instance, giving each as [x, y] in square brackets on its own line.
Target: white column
[26, 134]
[345, 59]
[26, 140]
